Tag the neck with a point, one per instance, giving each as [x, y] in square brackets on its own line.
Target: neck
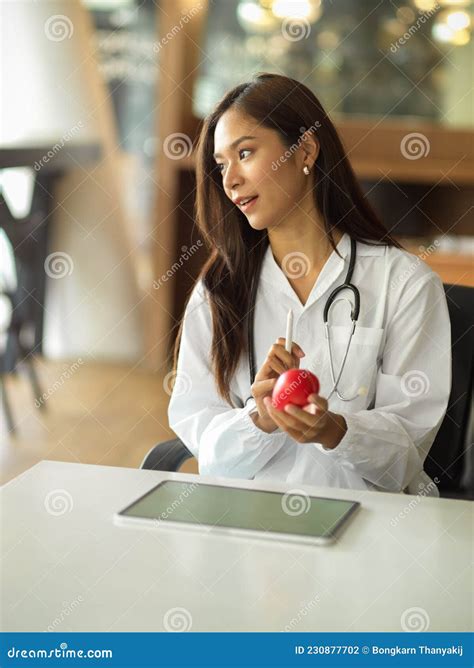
[302, 233]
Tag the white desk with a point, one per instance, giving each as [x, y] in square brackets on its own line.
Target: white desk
[81, 570]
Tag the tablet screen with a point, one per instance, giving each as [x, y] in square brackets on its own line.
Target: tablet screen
[232, 507]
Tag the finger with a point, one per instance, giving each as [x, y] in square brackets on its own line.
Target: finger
[292, 358]
[301, 434]
[295, 348]
[302, 417]
[279, 353]
[269, 369]
[276, 416]
[277, 366]
[288, 420]
[264, 387]
[319, 401]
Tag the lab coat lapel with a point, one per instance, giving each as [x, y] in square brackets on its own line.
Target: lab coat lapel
[275, 282]
[333, 272]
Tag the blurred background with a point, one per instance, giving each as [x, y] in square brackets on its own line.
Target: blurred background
[101, 104]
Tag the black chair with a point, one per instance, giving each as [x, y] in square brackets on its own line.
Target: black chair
[15, 355]
[167, 456]
[447, 459]
[26, 237]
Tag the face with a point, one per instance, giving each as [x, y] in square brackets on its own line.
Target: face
[256, 166]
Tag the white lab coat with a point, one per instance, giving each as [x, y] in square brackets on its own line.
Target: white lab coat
[400, 352]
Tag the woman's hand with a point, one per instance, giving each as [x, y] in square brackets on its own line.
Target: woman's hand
[311, 424]
[278, 361]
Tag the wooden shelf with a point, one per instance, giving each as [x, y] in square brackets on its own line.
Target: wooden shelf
[439, 172]
[67, 157]
[373, 147]
[451, 267]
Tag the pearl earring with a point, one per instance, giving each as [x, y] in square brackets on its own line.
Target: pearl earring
[306, 170]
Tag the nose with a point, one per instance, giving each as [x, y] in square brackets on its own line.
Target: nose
[232, 177]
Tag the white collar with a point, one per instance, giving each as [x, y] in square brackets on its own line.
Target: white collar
[275, 282]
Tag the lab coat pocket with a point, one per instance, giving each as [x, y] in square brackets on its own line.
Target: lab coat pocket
[358, 378]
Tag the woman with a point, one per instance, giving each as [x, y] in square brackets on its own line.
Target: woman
[270, 140]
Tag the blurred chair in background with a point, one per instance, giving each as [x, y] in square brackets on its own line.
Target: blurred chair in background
[19, 241]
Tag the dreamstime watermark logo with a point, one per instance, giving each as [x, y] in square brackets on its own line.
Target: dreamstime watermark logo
[68, 609]
[177, 383]
[191, 13]
[414, 146]
[424, 490]
[296, 265]
[178, 620]
[58, 265]
[177, 146]
[58, 502]
[66, 374]
[415, 383]
[185, 255]
[307, 607]
[424, 16]
[295, 502]
[61, 652]
[415, 620]
[58, 28]
[67, 136]
[410, 270]
[178, 501]
[295, 30]
[294, 147]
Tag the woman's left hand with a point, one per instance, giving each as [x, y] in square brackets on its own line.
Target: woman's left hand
[312, 424]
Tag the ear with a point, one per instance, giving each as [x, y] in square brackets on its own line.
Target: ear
[309, 144]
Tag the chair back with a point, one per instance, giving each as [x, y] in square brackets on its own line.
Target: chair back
[447, 459]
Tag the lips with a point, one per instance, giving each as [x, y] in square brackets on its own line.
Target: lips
[245, 204]
[243, 198]
[246, 201]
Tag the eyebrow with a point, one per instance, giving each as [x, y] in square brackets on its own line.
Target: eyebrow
[235, 143]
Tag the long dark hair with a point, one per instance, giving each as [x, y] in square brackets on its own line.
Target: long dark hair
[236, 249]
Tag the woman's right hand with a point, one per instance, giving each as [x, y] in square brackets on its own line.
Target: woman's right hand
[278, 361]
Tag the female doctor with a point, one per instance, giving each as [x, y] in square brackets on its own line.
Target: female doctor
[284, 218]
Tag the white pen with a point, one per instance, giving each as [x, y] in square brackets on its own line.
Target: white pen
[289, 331]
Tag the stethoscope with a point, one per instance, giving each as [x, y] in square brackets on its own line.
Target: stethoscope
[347, 285]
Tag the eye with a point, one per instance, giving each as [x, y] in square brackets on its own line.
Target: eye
[219, 165]
[244, 150]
